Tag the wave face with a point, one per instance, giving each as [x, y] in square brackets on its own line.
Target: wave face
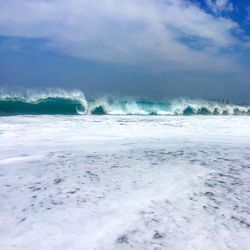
[54, 103]
[74, 103]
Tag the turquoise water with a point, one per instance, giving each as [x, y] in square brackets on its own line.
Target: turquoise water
[78, 105]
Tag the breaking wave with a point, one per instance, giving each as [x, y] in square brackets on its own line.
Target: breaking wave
[49, 103]
[174, 107]
[75, 103]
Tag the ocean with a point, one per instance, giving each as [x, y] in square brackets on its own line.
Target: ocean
[109, 174]
[61, 102]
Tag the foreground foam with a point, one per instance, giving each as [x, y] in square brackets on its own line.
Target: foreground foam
[124, 182]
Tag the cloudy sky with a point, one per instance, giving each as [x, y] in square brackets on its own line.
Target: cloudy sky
[152, 49]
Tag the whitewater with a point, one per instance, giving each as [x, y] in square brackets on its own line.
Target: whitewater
[124, 182]
[110, 173]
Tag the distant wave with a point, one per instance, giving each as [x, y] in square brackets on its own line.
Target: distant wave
[74, 103]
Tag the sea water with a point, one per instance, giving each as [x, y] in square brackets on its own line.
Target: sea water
[124, 182]
[74, 102]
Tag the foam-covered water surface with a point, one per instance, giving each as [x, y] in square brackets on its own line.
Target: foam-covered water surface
[124, 182]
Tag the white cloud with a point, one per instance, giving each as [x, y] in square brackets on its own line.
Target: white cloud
[218, 6]
[166, 34]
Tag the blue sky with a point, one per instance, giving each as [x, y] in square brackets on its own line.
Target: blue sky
[152, 49]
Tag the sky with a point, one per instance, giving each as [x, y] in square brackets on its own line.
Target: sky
[151, 49]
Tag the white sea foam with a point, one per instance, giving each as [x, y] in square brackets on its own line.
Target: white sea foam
[124, 182]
